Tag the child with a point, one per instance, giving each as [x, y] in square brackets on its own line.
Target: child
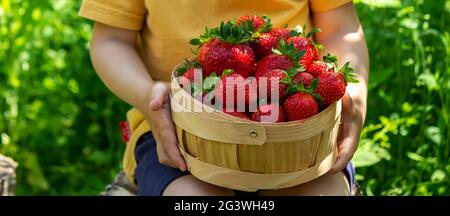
[137, 43]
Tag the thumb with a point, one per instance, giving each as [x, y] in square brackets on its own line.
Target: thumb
[158, 95]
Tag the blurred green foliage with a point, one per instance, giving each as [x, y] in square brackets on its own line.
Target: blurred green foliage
[61, 123]
[405, 145]
[57, 119]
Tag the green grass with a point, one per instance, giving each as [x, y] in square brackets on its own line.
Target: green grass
[61, 123]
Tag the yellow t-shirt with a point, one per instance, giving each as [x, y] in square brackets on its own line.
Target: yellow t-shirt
[166, 26]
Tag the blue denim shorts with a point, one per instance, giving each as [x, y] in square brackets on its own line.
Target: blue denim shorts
[152, 178]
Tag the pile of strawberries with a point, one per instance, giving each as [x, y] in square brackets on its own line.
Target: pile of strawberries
[274, 74]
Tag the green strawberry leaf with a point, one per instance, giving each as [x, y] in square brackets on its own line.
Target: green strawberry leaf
[295, 32]
[330, 58]
[186, 66]
[292, 72]
[228, 32]
[291, 89]
[318, 46]
[196, 64]
[276, 51]
[348, 73]
[314, 84]
[195, 41]
[330, 66]
[227, 72]
[267, 27]
[209, 84]
[205, 37]
[181, 70]
[285, 81]
[312, 32]
[316, 96]
[300, 68]
[196, 89]
[289, 50]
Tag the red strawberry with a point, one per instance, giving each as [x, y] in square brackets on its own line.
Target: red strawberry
[300, 105]
[269, 40]
[242, 115]
[272, 62]
[188, 77]
[237, 85]
[271, 76]
[257, 21]
[283, 58]
[264, 113]
[216, 56]
[189, 74]
[303, 43]
[331, 87]
[318, 67]
[305, 78]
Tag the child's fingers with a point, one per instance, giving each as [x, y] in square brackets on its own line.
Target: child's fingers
[163, 157]
[169, 154]
[348, 137]
[167, 136]
[171, 147]
[346, 149]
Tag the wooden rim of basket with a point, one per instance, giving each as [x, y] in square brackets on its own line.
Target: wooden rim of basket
[205, 122]
[248, 181]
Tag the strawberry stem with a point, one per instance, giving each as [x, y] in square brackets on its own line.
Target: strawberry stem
[288, 49]
[228, 32]
[348, 73]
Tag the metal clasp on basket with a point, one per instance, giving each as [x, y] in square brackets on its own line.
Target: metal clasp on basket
[253, 134]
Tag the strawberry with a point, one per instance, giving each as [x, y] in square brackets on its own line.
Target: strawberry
[257, 21]
[270, 77]
[275, 65]
[226, 47]
[235, 84]
[331, 86]
[242, 115]
[187, 78]
[187, 72]
[283, 58]
[265, 113]
[269, 40]
[303, 43]
[319, 67]
[299, 106]
[272, 62]
[304, 78]
[216, 56]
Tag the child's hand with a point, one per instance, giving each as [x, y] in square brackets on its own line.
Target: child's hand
[343, 35]
[163, 128]
[348, 134]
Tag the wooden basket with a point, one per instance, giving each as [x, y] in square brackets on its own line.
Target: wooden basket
[245, 155]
